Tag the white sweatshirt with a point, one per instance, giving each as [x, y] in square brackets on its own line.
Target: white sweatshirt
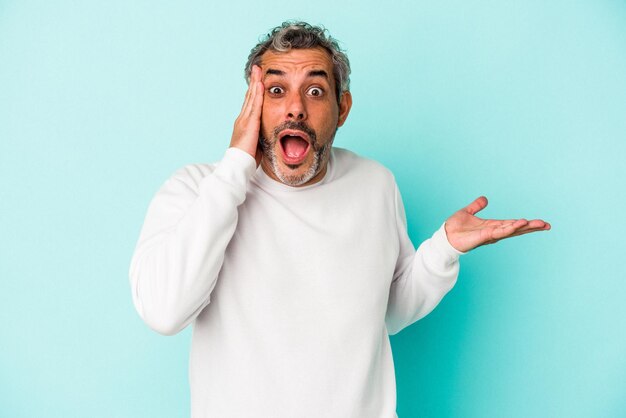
[293, 292]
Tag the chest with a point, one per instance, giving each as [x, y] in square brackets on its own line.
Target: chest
[314, 252]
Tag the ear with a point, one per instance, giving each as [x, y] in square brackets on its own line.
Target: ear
[344, 107]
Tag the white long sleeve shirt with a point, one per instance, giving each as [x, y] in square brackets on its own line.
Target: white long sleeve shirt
[292, 291]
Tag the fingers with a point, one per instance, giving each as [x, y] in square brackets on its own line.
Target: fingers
[477, 205]
[519, 227]
[500, 222]
[257, 97]
[534, 225]
[248, 124]
[505, 230]
[252, 94]
[246, 99]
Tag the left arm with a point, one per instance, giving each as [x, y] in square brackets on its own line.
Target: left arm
[422, 278]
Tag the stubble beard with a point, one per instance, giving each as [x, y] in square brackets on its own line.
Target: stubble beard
[320, 154]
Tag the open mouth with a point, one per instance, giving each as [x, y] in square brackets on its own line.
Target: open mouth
[295, 146]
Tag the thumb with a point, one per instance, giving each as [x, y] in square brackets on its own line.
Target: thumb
[477, 205]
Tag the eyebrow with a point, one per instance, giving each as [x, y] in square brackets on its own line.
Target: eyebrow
[271, 71]
[312, 73]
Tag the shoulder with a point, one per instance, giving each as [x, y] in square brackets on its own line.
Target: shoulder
[235, 168]
[348, 164]
[189, 177]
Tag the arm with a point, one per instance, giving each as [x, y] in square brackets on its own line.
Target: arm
[421, 278]
[189, 224]
[182, 243]
[421, 282]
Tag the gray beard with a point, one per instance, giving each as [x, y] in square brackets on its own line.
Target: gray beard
[320, 154]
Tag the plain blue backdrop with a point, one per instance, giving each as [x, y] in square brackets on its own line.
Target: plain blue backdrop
[523, 101]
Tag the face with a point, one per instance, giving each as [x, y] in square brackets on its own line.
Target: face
[300, 115]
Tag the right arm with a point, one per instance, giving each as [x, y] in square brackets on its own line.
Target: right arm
[189, 224]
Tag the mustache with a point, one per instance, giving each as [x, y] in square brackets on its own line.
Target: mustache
[300, 126]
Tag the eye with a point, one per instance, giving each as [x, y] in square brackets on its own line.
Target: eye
[275, 90]
[315, 91]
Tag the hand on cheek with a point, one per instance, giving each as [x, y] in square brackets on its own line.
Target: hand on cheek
[248, 124]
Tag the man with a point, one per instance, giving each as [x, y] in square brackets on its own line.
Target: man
[290, 257]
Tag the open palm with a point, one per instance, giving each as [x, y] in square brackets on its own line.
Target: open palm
[466, 231]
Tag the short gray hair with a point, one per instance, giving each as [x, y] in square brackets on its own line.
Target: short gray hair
[301, 35]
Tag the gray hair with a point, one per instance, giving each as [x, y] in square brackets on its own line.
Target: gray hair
[301, 35]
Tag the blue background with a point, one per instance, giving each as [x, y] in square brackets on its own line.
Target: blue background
[523, 101]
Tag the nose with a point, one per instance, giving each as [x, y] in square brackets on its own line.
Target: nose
[296, 109]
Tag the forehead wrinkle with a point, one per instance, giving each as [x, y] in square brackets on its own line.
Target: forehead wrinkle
[297, 60]
[315, 73]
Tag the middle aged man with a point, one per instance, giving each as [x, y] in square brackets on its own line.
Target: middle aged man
[291, 257]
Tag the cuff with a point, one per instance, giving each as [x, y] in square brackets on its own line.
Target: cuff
[443, 252]
[236, 168]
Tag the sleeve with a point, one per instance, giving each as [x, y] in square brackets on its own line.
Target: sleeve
[421, 278]
[180, 251]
